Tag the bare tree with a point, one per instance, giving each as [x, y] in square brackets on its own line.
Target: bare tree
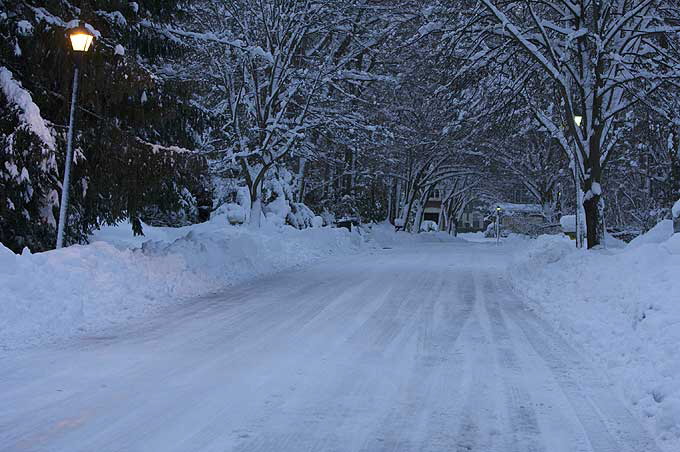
[600, 58]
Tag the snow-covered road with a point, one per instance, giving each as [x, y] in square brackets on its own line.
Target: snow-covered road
[423, 347]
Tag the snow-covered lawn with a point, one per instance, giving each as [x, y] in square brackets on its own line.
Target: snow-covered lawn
[620, 306]
[118, 277]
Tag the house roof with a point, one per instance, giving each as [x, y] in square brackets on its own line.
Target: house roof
[509, 208]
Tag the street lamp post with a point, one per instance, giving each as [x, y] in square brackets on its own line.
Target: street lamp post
[81, 39]
[578, 119]
[498, 225]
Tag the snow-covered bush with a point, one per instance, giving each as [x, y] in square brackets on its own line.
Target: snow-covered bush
[301, 216]
[277, 211]
[568, 223]
[429, 226]
[235, 213]
[317, 221]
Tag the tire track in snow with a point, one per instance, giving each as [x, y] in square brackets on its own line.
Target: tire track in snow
[609, 425]
[358, 361]
[479, 419]
[244, 332]
[416, 420]
[519, 404]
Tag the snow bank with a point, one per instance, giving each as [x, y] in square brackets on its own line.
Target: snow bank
[118, 277]
[658, 234]
[384, 235]
[622, 306]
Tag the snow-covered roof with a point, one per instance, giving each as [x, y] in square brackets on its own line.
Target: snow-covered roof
[568, 223]
[512, 208]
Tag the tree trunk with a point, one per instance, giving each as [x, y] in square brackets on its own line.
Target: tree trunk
[593, 203]
[256, 213]
[421, 210]
[409, 207]
[594, 210]
[397, 201]
[418, 220]
[255, 206]
[301, 180]
[441, 221]
[674, 155]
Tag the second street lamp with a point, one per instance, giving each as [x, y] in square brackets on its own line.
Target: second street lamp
[81, 40]
[578, 120]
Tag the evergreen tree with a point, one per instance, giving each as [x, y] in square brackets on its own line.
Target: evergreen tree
[135, 126]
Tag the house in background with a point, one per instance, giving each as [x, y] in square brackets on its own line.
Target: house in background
[433, 206]
[472, 218]
[519, 218]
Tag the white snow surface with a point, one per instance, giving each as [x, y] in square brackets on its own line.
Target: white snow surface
[568, 223]
[418, 344]
[676, 209]
[119, 277]
[621, 307]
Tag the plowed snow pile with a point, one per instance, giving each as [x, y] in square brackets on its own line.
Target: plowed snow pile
[622, 306]
[118, 277]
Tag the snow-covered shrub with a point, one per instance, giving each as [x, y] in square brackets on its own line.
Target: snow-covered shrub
[328, 217]
[300, 216]
[429, 226]
[317, 222]
[277, 211]
[490, 231]
[235, 213]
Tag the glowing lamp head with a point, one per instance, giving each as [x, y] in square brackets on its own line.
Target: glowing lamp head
[81, 39]
[498, 209]
[578, 119]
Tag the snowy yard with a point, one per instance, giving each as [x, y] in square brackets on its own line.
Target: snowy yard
[403, 343]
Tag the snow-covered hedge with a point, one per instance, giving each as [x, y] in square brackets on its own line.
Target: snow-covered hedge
[81, 289]
[620, 305]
